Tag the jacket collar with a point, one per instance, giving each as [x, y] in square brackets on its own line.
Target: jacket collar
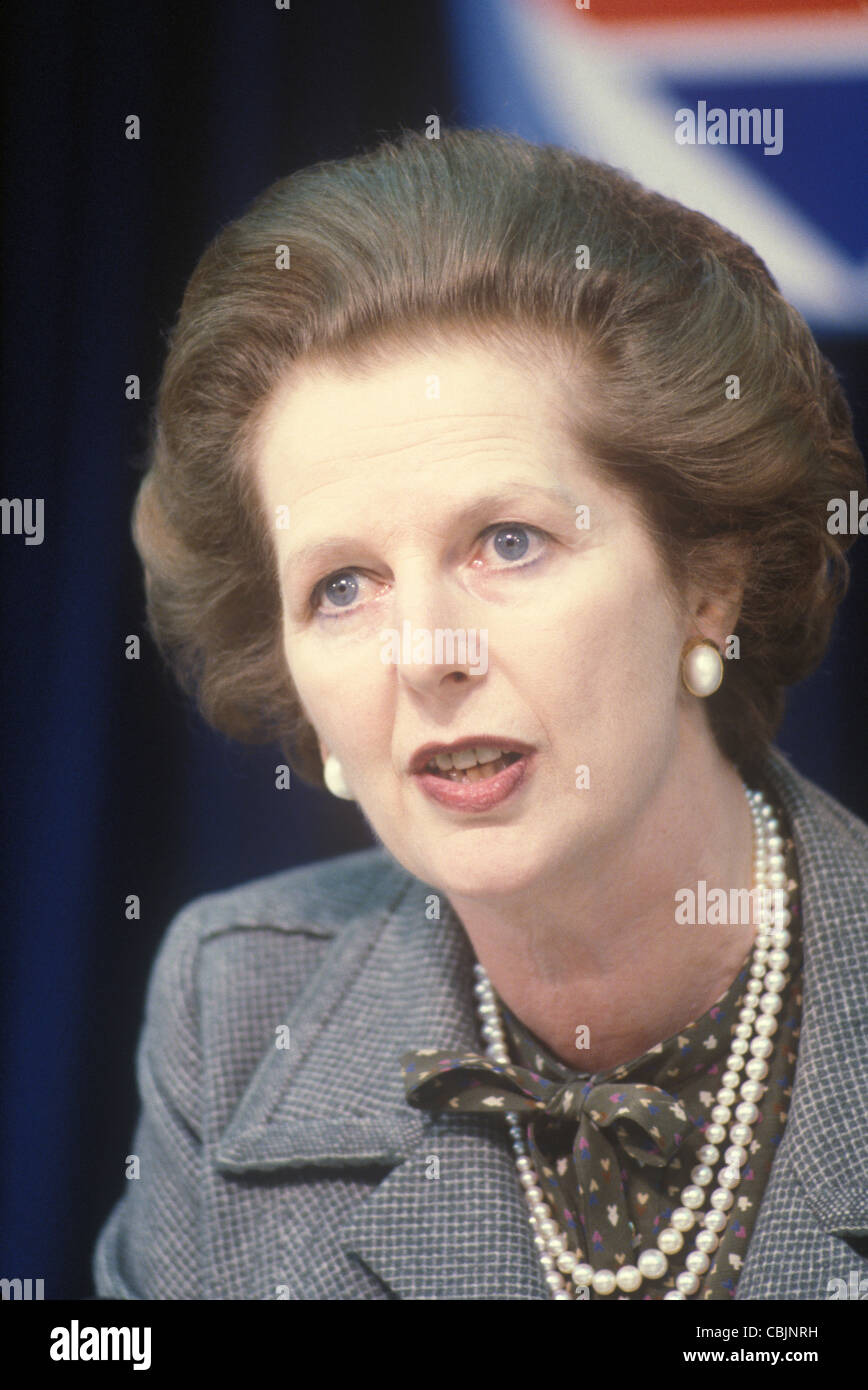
[403, 979]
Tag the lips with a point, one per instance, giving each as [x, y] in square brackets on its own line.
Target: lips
[494, 783]
[492, 768]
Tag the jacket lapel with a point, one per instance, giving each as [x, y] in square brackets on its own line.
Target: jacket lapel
[448, 1220]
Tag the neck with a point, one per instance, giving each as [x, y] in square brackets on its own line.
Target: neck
[597, 946]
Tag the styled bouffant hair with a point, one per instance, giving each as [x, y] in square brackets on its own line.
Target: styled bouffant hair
[479, 231]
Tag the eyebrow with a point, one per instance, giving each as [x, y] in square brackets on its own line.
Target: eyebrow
[306, 557]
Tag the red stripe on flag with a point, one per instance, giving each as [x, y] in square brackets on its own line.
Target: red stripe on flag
[706, 11]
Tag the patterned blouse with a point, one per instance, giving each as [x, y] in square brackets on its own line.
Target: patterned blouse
[612, 1181]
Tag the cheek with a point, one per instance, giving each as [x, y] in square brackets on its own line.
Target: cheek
[609, 640]
[339, 691]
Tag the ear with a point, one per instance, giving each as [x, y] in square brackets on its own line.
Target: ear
[714, 608]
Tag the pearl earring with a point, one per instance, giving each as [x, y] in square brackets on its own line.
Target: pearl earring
[701, 667]
[333, 776]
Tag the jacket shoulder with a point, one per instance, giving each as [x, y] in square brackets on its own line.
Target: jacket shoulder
[226, 973]
[266, 935]
[316, 899]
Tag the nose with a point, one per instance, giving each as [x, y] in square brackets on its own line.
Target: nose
[435, 642]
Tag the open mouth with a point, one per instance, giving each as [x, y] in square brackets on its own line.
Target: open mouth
[477, 771]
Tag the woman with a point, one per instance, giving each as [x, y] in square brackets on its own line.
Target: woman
[495, 488]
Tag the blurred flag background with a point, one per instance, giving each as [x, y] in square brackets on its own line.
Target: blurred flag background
[608, 80]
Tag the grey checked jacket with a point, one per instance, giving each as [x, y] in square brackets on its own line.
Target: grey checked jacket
[300, 1172]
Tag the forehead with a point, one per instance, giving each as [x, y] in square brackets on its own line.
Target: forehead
[419, 410]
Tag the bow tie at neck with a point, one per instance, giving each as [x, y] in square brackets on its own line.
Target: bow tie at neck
[615, 1121]
[647, 1122]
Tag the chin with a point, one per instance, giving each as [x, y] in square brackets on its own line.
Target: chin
[486, 876]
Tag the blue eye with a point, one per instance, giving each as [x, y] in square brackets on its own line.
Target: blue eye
[511, 542]
[341, 589]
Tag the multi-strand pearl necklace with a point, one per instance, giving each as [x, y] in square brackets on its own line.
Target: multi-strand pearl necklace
[566, 1275]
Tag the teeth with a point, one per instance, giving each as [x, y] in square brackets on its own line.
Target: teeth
[487, 755]
[464, 758]
[477, 773]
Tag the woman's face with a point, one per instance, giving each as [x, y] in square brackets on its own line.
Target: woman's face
[440, 492]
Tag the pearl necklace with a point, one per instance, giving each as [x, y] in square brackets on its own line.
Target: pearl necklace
[566, 1275]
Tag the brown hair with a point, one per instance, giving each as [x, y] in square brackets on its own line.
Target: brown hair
[479, 231]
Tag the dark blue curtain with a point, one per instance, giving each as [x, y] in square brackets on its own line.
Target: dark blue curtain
[112, 785]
